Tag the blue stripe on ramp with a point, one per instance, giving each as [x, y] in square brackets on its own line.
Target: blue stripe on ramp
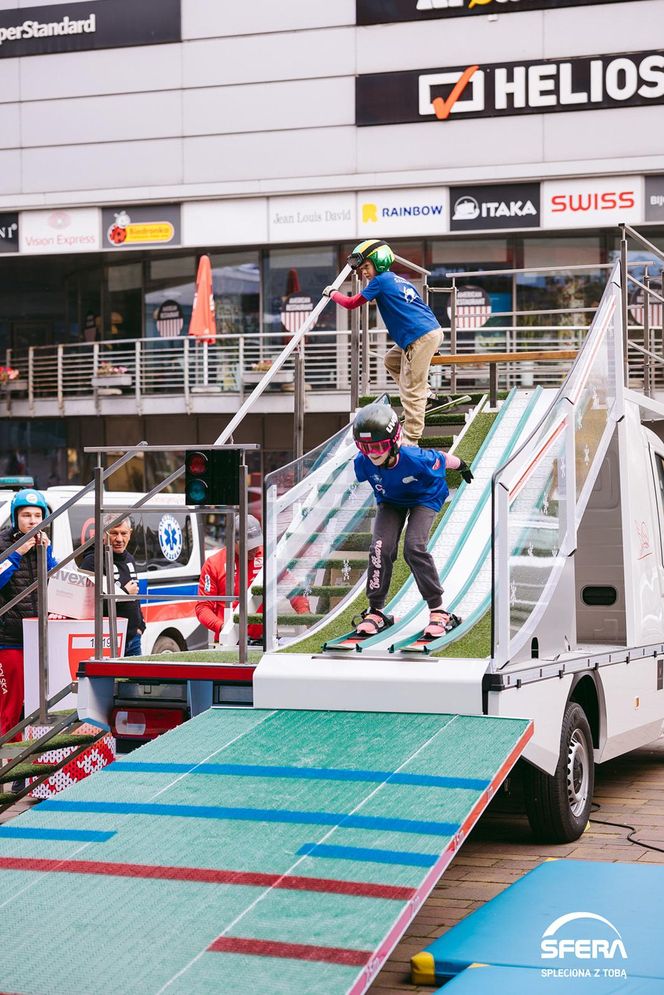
[75, 835]
[304, 773]
[422, 827]
[409, 859]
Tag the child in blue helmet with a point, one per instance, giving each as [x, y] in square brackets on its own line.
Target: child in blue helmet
[410, 487]
[18, 571]
[410, 322]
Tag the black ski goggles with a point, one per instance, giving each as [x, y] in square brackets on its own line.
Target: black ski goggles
[356, 259]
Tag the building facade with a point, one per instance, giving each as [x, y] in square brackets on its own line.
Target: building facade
[492, 135]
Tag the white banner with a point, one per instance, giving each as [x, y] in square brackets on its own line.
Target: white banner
[312, 217]
[55, 232]
[403, 212]
[588, 202]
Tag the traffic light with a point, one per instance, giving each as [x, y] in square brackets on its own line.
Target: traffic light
[212, 476]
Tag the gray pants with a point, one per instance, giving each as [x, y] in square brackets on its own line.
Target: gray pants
[389, 523]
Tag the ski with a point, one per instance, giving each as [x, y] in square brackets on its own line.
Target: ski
[419, 643]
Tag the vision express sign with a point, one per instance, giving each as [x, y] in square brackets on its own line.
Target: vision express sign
[501, 90]
[388, 11]
[73, 27]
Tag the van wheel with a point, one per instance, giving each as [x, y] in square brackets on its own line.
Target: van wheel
[166, 644]
[558, 805]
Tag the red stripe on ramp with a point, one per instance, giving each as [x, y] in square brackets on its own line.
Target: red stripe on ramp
[291, 951]
[203, 875]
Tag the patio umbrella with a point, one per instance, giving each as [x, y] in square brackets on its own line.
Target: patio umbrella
[203, 325]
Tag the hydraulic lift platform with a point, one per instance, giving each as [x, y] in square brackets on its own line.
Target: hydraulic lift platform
[247, 850]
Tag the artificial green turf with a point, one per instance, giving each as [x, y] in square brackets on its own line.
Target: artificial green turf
[467, 449]
[199, 656]
[476, 643]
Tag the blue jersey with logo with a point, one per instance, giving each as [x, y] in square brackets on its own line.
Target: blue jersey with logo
[418, 477]
[405, 314]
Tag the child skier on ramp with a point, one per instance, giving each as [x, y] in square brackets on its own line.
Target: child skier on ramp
[410, 487]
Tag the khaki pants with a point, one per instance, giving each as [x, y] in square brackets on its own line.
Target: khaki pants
[409, 368]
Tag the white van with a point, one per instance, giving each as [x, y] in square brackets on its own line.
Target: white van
[169, 551]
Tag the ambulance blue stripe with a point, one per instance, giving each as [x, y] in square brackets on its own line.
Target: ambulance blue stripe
[340, 819]
[302, 773]
[365, 854]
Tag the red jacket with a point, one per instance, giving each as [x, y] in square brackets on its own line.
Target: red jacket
[213, 581]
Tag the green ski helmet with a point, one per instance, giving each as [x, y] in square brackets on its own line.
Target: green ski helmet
[375, 250]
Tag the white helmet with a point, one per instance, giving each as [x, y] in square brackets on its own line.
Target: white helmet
[254, 532]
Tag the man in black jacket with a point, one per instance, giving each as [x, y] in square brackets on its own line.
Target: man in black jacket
[18, 571]
[126, 578]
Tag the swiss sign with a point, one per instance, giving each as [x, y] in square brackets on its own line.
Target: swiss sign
[501, 90]
[597, 200]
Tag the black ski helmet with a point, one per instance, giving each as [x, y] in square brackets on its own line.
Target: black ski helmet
[377, 430]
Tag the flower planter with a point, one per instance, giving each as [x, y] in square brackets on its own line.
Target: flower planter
[255, 376]
[112, 380]
[15, 386]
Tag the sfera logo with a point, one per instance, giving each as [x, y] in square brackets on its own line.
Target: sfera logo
[607, 200]
[582, 947]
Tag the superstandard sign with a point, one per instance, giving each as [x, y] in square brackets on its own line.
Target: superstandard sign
[609, 81]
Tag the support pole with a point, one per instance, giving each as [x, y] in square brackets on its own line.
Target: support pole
[453, 335]
[355, 357]
[299, 402]
[242, 586]
[42, 630]
[99, 563]
[112, 607]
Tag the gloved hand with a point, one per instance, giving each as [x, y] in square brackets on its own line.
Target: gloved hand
[465, 472]
[328, 291]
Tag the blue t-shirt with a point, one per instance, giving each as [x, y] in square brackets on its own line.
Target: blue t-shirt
[405, 314]
[418, 477]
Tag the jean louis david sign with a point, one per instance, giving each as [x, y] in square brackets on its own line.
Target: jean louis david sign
[96, 24]
[311, 217]
[508, 89]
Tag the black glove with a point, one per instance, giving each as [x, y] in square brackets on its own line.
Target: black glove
[465, 472]
[328, 291]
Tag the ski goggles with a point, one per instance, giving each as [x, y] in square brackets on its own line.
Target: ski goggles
[355, 259]
[370, 448]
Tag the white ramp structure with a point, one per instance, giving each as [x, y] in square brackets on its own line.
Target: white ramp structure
[559, 539]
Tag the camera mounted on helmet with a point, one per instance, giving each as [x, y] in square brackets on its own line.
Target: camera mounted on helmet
[377, 431]
[376, 251]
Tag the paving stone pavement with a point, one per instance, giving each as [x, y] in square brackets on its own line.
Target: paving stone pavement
[501, 849]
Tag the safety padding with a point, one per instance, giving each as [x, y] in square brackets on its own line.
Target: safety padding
[479, 979]
[563, 916]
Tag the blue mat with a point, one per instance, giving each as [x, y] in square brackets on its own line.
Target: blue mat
[564, 915]
[480, 979]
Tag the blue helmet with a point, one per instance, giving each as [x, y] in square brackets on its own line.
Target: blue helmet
[27, 498]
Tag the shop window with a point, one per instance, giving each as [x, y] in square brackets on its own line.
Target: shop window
[123, 316]
[562, 250]
[484, 302]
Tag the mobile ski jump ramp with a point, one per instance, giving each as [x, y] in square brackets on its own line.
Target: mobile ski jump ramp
[286, 847]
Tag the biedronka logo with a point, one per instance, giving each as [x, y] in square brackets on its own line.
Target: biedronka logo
[603, 945]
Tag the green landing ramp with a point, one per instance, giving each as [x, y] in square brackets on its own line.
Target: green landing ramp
[246, 851]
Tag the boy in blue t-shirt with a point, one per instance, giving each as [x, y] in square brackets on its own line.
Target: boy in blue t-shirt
[410, 486]
[410, 322]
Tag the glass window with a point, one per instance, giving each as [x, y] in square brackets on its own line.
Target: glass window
[144, 544]
[123, 318]
[169, 281]
[304, 271]
[563, 250]
[484, 303]
[236, 285]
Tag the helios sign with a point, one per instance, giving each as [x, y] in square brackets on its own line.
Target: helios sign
[552, 85]
[73, 27]
[380, 12]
